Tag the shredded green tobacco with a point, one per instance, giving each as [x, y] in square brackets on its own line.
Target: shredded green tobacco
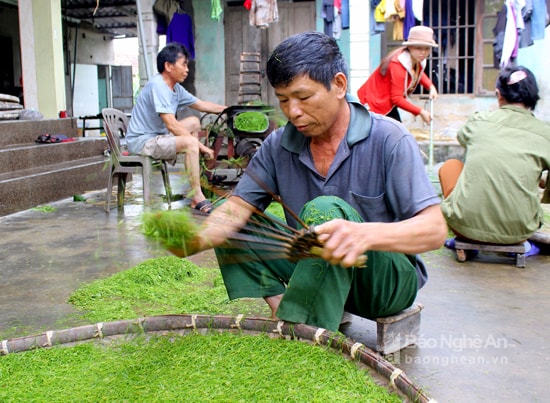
[252, 121]
[218, 367]
[172, 228]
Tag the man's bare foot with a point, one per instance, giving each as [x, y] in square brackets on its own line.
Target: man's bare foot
[273, 302]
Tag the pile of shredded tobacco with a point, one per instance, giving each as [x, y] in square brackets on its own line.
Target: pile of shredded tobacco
[251, 121]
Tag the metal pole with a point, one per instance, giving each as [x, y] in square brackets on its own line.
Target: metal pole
[142, 40]
[431, 145]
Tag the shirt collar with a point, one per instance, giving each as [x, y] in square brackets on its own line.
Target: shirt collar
[294, 141]
[518, 109]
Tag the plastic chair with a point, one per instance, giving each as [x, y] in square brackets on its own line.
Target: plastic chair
[123, 164]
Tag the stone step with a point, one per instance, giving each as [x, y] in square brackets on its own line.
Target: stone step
[25, 132]
[28, 188]
[18, 157]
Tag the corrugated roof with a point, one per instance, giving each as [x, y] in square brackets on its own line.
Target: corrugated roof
[116, 18]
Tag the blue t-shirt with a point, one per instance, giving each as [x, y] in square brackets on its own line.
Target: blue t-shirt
[378, 170]
[155, 98]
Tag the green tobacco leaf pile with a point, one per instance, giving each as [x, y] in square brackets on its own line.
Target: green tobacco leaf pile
[254, 122]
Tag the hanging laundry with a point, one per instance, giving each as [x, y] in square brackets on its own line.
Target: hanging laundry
[166, 8]
[327, 13]
[418, 9]
[345, 14]
[514, 22]
[408, 21]
[498, 32]
[337, 24]
[539, 19]
[263, 12]
[377, 20]
[217, 10]
[390, 11]
[180, 30]
[525, 37]
[518, 6]
[380, 11]
[395, 13]
[163, 11]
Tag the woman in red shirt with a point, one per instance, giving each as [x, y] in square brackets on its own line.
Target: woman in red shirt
[398, 76]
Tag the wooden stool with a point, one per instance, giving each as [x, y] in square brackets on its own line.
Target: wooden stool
[398, 331]
[462, 246]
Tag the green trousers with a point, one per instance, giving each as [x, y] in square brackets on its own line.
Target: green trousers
[314, 291]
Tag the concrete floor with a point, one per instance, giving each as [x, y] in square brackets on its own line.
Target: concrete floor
[485, 323]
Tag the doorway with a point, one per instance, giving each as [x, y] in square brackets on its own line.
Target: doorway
[240, 36]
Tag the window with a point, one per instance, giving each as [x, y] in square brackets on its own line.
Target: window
[463, 62]
[451, 67]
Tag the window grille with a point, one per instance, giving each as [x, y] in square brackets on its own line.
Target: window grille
[451, 67]
[463, 63]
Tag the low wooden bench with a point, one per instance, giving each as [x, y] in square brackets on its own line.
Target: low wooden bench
[394, 333]
[518, 249]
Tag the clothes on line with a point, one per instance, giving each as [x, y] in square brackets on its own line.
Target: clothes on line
[519, 23]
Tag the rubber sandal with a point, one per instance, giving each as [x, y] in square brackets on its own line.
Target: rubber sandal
[534, 251]
[450, 243]
[217, 178]
[204, 206]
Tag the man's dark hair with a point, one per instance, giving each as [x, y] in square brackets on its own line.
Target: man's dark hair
[311, 54]
[170, 53]
[517, 84]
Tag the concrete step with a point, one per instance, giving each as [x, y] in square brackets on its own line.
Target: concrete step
[25, 132]
[28, 188]
[19, 157]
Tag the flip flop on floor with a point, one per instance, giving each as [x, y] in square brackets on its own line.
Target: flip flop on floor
[217, 179]
[204, 206]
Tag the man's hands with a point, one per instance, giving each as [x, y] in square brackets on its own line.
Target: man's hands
[190, 248]
[207, 152]
[344, 242]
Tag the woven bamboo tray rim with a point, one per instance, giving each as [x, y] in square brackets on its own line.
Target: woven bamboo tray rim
[187, 323]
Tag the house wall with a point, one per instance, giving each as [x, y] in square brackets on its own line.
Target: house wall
[91, 48]
[535, 58]
[84, 51]
[210, 54]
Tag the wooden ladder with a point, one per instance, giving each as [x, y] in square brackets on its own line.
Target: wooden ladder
[250, 88]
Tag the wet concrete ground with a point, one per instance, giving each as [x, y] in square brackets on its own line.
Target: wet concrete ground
[485, 323]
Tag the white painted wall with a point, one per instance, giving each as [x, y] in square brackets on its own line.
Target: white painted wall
[86, 98]
[535, 58]
[359, 36]
[91, 48]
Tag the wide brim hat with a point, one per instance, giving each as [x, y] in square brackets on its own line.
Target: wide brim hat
[421, 36]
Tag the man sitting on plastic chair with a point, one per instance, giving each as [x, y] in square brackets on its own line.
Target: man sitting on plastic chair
[154, 130]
